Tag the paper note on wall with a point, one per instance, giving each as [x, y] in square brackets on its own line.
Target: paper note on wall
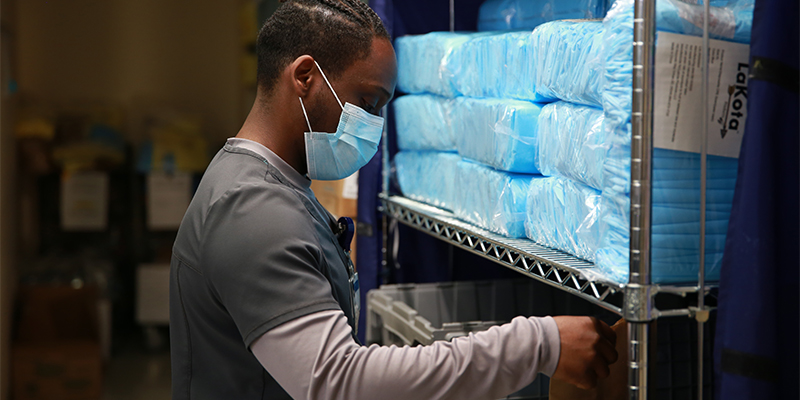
[678, 111]
[168, 197]
[84, 201]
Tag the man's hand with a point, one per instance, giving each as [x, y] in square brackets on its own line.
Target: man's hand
[587, 349]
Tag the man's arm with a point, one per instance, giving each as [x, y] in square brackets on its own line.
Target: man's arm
[314, 357]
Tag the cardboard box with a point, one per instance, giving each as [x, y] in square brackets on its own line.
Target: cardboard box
[57, 371]
[340, 197]
[57, 314]
[57, 354]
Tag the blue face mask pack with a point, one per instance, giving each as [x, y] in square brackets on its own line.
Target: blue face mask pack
[337, 155]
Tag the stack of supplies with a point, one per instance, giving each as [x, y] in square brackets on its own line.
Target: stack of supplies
[422, 61]
[560, 60]
[569, 62]
[563, 211]
[467, 64]
[498, 132]
[541, 124]
[496, 65]
[495, 15]
[464, 94]
[676, 175]
[564, 214]
[572, 143]
[428, 176]
[492, 199]
[424, 122]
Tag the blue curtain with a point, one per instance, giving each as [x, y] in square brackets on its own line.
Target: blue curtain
[756, 350]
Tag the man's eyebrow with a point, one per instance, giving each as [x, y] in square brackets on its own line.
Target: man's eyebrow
[385, 91]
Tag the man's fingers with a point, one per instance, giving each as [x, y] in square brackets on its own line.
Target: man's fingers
[607, 352]
[601, 369]
[606, 331]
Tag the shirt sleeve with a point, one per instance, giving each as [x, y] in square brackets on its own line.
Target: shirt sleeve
[314, 357]
[262, 260]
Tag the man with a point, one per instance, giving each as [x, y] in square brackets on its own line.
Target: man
[260, 286]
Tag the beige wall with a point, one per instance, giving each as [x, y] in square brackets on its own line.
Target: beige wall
[183, 54]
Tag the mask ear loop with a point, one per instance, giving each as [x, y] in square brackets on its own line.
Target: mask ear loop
[329, 85]
[305, 115]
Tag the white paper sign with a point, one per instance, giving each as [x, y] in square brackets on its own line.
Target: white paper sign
[84, 201]
[678, 112]
[168, 197]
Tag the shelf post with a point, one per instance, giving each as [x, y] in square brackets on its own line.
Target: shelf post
[702, 314]
[385, 174]
[638, 305]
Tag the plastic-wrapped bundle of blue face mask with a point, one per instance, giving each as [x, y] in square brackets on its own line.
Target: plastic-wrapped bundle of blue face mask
[494, 65]
[497, 132]
[675, 216]
[499, 65]
[492, 199]
[422, 62]
[495, 15]
[489, 64]
[428, 176]
[572, 143]
[569, 65]
[675, 220]
[478, 66]
[676, 175]
[424, 122]
[564, 215]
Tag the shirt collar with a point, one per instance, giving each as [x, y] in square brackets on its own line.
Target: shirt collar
[290, 173]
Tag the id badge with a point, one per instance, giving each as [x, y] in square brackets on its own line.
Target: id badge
[347, 230]
[355, 293]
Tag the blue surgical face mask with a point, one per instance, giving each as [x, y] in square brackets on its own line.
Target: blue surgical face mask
[333, 156]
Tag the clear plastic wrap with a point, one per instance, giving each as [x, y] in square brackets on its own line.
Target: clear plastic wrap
[424, 122]
[492, 65]
[422, 62]
[495, 15]
[733, 23]
[564, 215]
[572, 143]
[492, 199]
[428, 176]
[569, 65]
[480, 65]
[497, 132]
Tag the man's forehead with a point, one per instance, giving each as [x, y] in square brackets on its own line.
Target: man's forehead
[378, 69]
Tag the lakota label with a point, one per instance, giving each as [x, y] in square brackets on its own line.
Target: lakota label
[678, 109]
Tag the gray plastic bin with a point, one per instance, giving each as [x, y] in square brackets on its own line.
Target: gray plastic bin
[412, 314]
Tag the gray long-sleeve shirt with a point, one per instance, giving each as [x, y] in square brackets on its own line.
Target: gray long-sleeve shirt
[257, 268]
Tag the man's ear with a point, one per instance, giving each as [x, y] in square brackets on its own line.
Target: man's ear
[301, 73]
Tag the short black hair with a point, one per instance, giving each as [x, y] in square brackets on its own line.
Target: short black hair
[335, 32]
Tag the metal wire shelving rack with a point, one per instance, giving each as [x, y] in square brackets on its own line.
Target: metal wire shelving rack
[635, 300]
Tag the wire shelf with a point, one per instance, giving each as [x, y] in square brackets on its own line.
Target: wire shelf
[550, 266]
[547, 265]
